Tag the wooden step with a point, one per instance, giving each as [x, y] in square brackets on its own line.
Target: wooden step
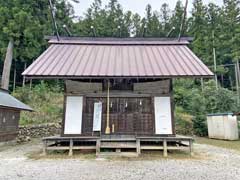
[118, 144]
[117, 154]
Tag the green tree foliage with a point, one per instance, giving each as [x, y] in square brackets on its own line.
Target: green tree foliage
[165, 18]
[26, 22]
[106, 21]
[197, 29]
[199, 103]
[176, 18]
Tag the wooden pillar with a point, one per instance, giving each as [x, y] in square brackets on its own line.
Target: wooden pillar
[44, 147]
[165, 154]
[7, 66]
[138, 146]
[71, 147]
[30, 84]
[107, 131]
[191, 147]
[98, 146]
[118, 150]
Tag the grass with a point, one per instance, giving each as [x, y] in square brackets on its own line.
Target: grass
[46, 101]
[233, 145]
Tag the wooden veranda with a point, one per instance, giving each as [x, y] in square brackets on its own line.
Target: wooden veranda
[122, 145]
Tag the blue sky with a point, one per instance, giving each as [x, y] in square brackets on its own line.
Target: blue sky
[137, 5]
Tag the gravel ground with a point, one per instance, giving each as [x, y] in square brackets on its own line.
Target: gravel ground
[211, 163]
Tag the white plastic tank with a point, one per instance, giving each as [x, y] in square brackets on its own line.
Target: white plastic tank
[222, 126]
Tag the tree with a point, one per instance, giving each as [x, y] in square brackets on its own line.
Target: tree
[198, 24]
[152, 23]
[165, 18]
[136, 25]
[106, 21]
[176, 18]
[27, 22]
[24, 23]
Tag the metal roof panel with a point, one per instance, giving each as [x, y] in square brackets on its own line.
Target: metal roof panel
[8, 101]
[125, 59]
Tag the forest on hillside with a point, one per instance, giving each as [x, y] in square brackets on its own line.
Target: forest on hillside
[215, 31]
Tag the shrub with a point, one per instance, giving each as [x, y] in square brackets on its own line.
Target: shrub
[184, 123]
[47, 102]
[198, 103]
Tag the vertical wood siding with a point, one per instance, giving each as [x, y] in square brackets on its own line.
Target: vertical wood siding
[129, 115]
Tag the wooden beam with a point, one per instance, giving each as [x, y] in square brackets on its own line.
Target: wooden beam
[118, 150]
[165, 148]
[98, 147]
[71, 147]
[44, 147]
[191, 147]
[7, 66]
[138, 147]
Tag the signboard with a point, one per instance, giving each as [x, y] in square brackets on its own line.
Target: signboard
[97, 117]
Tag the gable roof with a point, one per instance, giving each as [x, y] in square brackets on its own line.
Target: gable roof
[117, 57]
[8, 101]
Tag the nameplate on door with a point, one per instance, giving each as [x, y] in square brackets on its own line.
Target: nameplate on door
[97, 117]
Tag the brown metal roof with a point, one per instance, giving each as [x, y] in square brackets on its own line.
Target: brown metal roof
[88, 58]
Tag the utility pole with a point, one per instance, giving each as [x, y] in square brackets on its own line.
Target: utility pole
[144, 30]
[7, 66]
[238, 70]
[93, 31]
[237, 81]
[183, 21]
[170, 32]
[214, 59]
[53, 18]
[67, 30]
[24, 78]
[202, 84]
[119, 32]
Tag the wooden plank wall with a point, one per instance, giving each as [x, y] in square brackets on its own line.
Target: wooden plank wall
[133, 119]
[9, 120]
[82, 87]
[156, 87]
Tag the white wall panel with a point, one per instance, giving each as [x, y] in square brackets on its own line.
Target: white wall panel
[163, 117]
[73, 115]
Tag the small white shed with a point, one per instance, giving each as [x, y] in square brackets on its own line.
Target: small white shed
[222, 126]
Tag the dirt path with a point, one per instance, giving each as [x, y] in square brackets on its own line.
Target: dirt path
[212, 163]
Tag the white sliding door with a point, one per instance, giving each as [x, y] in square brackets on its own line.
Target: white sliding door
[73, 115]
[163, 117]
